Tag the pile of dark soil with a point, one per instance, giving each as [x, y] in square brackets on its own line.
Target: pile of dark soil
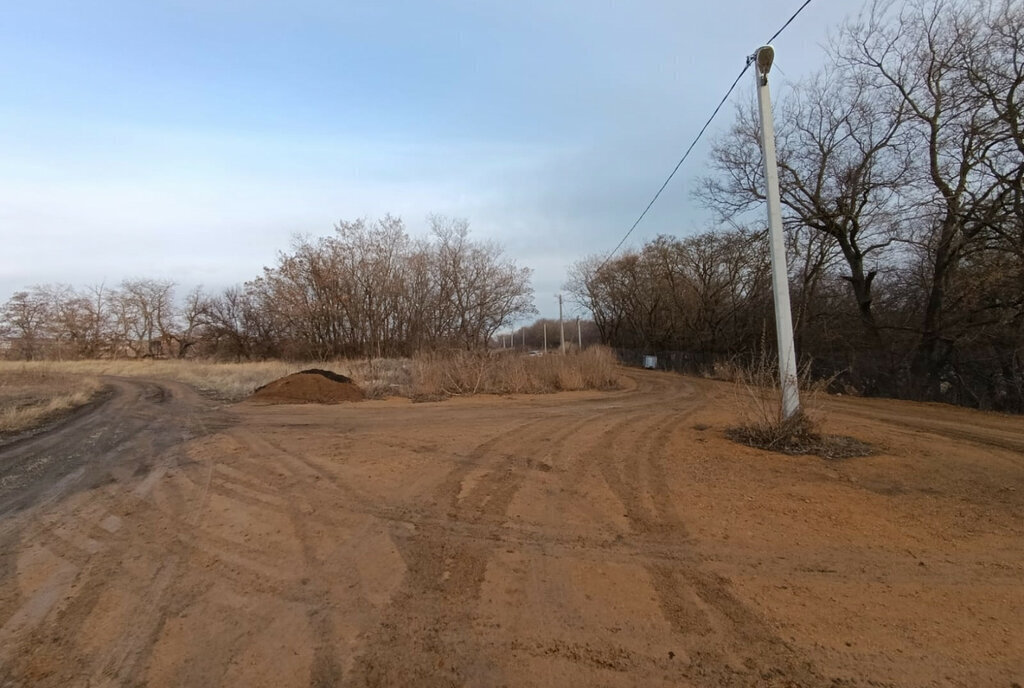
[313, 386]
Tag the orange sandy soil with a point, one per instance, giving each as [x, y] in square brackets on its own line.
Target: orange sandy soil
[584, 539]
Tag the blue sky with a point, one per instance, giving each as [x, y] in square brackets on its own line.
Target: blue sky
[190, 139]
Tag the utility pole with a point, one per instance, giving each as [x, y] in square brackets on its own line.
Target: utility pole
[545, 336]
[579, 332]
[561, 323]
[763, 59]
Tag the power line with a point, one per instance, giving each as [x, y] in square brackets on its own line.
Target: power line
[678, 164]
[795, 15]
[699, 135]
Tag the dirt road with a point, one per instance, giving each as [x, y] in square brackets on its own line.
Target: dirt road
[569, 540]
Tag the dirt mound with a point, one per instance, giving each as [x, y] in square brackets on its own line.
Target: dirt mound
[313, 386]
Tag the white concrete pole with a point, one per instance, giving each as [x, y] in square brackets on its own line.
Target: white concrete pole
[780, 275]
[545, 336]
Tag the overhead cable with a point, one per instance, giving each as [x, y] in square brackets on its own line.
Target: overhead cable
[700, 134]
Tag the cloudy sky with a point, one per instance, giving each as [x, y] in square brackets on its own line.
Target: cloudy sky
[190, 139]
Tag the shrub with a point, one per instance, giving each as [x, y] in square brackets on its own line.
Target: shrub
[762, 424]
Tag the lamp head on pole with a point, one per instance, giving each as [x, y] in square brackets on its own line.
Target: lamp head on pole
[764, 57]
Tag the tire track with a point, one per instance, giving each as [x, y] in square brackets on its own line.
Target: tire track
[632, 455]
[172, 526]
[425, 637]
[87, 475]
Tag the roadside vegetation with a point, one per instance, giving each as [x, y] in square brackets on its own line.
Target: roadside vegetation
[761, 424]
[28, 388]
[901, 167]
[469, 372]
[34, 395]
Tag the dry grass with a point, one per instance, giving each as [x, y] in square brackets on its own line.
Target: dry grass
[382, 377]
[430, 376]
[436, 376]
[226, 381]
[223, 381]
[37, 394]
[762, 424]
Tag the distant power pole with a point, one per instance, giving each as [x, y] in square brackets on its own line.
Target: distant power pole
[545, 336]
[561, 323]
[579, 332]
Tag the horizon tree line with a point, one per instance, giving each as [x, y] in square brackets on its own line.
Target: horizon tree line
[368, 289]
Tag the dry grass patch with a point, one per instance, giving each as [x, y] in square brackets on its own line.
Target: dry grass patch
[37, 394]
[224, 381]
[430, 376]
[458, 373]
[763, 426]
[798, 435]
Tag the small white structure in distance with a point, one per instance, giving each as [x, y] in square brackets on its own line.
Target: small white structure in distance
[650, 362]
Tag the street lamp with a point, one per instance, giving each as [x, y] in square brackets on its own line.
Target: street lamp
[763, 59]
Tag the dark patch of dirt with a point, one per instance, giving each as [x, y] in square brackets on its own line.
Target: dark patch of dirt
[797, 437]
[313, 386]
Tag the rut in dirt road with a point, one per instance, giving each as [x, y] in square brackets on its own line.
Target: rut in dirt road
[122, 437]
[124, 445]
[423, 640]
[165, 542]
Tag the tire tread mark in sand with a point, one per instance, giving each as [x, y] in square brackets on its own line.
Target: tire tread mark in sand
[1001, 438]
[441, 584]
[135, 423]
[120, 660]
[441, 568]
[353, 502]
[624, 474]
[720, 631]
[315, 592]
[717, 629]
[326, 668]
[425, 637]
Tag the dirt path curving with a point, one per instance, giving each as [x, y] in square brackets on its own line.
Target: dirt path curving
[580, 539]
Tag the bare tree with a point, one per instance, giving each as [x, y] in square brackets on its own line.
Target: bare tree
[841, 167]
[144, 315]
[479, 291]
[369, 290]
[24, 319]
[704, 294]
[921, 53]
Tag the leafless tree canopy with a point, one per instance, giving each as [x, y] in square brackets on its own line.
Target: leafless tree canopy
[367, 290]
[902, 178]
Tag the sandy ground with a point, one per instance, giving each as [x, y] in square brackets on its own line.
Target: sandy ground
[569, 540]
